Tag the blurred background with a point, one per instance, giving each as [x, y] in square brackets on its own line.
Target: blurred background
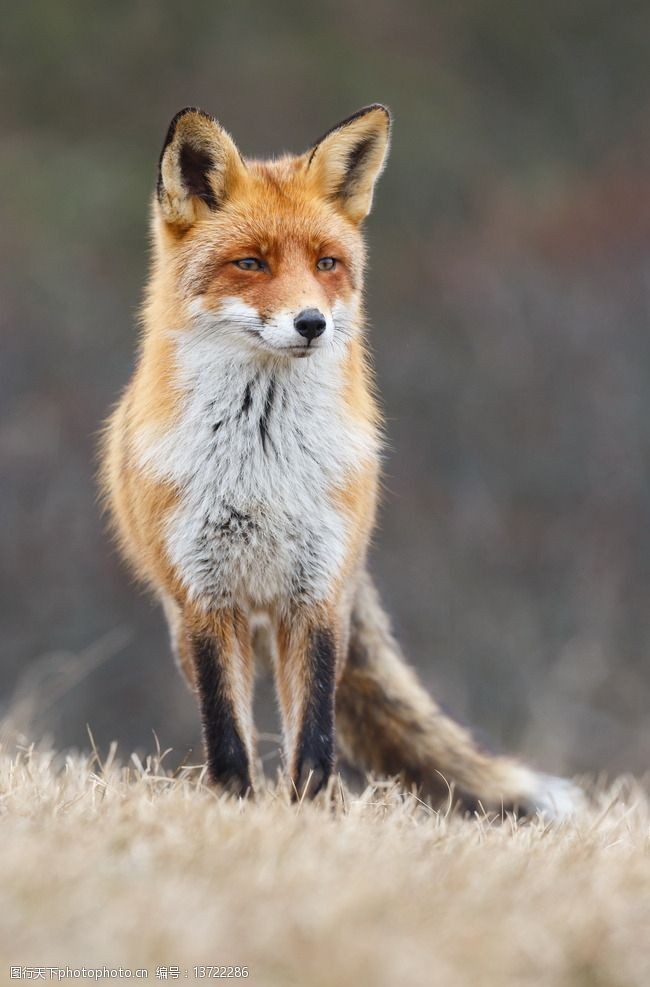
[509, 295]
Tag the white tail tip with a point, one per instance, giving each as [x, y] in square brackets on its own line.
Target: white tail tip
[555, 798]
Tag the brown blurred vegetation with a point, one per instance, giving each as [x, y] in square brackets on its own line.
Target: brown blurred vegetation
[508, 293]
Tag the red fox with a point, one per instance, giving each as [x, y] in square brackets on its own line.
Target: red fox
[241, 467]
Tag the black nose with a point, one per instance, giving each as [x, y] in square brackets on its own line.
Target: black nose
[310, 323]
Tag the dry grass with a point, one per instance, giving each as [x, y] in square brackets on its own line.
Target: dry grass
[109, 864]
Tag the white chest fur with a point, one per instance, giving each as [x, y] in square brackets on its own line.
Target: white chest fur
[256, 451]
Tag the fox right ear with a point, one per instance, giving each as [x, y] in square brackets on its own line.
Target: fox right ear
[199, 164]
[347, 161]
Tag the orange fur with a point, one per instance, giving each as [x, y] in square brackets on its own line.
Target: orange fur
[211, 209]
[241, 254]
[276, 211]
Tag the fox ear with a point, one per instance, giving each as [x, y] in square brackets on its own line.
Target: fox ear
[347, 161]
[199, 164]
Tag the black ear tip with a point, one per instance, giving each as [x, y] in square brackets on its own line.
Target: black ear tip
[190, 109]
[382, 107]
[171, 130]
[373, 108]
[364, 111]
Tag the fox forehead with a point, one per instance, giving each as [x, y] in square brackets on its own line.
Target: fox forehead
[271, 206]
[271, 213]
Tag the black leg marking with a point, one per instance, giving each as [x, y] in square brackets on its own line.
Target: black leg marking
[315, 754]
[266, 414]
[227, 758]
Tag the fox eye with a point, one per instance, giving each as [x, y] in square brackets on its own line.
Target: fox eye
[326, 264]
[249, 264]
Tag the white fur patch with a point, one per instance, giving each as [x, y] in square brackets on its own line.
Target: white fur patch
[556, 798]
[260, 441]
[547, 795]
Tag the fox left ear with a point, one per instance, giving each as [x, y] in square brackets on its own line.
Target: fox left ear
[199, 167]
[347, 161]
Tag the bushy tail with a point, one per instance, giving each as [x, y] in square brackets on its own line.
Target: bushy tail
[388, 724]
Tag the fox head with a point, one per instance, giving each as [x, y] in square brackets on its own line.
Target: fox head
[269, 254]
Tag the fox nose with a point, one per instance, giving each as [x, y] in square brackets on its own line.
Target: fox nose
[310, 323]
